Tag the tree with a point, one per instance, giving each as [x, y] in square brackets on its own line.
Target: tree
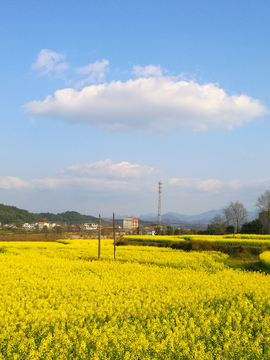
[263, 206]
[218, 220]
[252, 227]
[263, 202]
[169, 230]
[230, 229]
[157, 231]
[217, 225]
[235, 214]
[45, 229]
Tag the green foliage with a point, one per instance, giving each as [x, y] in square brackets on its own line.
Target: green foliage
[45, 229]
[169, 230]
[213, 229]
[252, 227]
[13, 215]
[230, 229]
[58, 229]
[65, 242]
[181, 231]
[158, 231]
[70, 217]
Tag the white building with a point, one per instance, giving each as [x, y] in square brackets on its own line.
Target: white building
[89, 227]
[130, 224]
[41, 225]
[26, 226]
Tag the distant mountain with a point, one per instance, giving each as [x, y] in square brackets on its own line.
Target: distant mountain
[13, 215]
[149, 217]
[121, 217]
[181, 219]
[173, 217]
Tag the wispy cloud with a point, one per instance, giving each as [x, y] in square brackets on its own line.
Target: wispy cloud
[90, 183]
[49, 61]
[103, 174]
[158, 104]
[216, 186]
[123, 176]
[10, 182]
[96, 71]
[147, 71]
[106, 168]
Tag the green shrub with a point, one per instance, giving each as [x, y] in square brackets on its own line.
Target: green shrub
[65, 242]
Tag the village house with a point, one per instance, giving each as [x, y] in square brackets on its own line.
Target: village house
[89, 227]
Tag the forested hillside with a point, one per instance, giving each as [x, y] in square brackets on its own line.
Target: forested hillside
[13, 215]
[70, 217]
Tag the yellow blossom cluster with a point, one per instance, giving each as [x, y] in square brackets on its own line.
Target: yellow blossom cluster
[58, 302]
[265, 259]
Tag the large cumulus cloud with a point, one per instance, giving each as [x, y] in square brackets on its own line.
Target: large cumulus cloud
[149, 104]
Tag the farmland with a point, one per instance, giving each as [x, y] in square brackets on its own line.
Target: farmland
[265, 259]
[59, 302]
[233, 240]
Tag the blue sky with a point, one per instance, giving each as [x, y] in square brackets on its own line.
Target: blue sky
[101, 99]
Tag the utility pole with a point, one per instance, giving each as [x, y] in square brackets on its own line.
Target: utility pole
[99, 236]
[159, 205]
[114, 245]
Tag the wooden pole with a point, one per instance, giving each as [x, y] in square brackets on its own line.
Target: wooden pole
[99, 236]
[114, 245]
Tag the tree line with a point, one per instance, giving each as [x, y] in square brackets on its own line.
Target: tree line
[234, 218]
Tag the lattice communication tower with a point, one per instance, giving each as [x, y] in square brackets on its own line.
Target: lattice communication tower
[159, 204]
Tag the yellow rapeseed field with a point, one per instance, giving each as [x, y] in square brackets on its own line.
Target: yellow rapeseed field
[57, 302]
[234, 240]
[265, 259]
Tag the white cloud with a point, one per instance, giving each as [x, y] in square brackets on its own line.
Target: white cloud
[94, 184]
[216, 186]
[147, 71]
[47, 183]
[99, 189]
[157, 104]
[9, 182]
[97, 68]
[49, 61]
[106, 168]
[122, 176]
[100, 175]
[203, 185]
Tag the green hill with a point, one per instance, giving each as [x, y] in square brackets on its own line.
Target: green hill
[13, 215]
[69, 217]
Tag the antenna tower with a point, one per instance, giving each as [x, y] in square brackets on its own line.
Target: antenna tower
[159, 204]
